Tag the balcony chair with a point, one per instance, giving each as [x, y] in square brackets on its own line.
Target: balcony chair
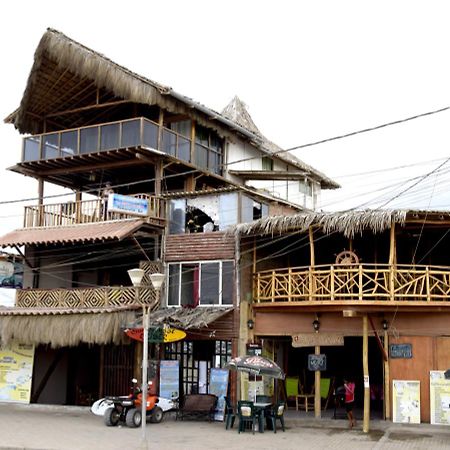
[246, 414]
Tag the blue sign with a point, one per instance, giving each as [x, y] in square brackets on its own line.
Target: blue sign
[127, 204]
[218, 385]
[169, 379]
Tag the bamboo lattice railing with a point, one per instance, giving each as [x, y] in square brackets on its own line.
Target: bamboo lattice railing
[379, 282]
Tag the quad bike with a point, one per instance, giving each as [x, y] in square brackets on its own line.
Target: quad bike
[127, 409]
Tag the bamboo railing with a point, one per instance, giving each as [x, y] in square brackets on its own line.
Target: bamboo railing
[84, 211]
[85, 297]
[358, 282]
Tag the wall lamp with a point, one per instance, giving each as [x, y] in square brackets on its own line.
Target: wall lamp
[316, 325]
[250, 324]
[385, 324]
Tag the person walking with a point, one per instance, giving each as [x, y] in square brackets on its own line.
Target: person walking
[349, 401]
[105, 197]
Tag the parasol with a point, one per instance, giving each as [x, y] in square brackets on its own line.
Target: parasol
[256, 365]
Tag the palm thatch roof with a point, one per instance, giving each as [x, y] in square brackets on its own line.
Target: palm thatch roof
[65, 330]
[349, 223]
[58, 58]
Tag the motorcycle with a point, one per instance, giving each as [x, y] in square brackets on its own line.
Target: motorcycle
[127, 409]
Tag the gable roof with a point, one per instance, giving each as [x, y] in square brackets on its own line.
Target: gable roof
[57, 55]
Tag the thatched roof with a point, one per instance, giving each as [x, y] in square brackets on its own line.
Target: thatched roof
[237, 111]
[65, 330]
[58, 59]
[188, 318]
[348, 223]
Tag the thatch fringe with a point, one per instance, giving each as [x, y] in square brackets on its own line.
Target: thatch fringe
[188, 318]
[66, 330]
[348, 223]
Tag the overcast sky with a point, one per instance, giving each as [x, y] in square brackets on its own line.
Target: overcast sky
[307, 71]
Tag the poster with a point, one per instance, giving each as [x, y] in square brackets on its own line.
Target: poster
[16, 370]
[218, 385]
[169, 379]
[439, 398]
[406, 401]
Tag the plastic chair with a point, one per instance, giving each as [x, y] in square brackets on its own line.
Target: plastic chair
[277, 413]
[230, 415]
[246, 414]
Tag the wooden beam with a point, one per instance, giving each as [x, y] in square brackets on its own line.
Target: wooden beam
[87, 108]
[387, 382]
[317, 398]
[366, 419]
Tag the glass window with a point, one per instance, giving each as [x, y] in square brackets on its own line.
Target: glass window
[174, 285]
[88, 140]
[267, 163]
[189, 284]
[183, 128]
[150, 134]
[31, 150]
[131, 133]
[202, 135]
[305, 187]
[201, 156]
[177, 216]
[209, 288]
[109, 136]
[246, 209]
[227, 282]
[69, 143]
[184, 149]
[228, 210]
[50, 144]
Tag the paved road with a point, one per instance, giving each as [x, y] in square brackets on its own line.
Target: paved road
[41, 428]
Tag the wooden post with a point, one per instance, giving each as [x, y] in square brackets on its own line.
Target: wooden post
[159, 174]
[392, 261]
[317, 398]
[311, 247]
[41, 201]
[387, 381]
[366, 420]
[312, 263]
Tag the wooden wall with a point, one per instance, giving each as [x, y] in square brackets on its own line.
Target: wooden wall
[199, 247]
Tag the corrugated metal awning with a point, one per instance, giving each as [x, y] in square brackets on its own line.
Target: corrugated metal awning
[70, 234]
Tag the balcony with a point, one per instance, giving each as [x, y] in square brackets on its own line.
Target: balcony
[354, 284]
[79, 298]
[87, 211]
[139, 132]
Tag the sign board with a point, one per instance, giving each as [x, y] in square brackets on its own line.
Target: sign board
[169, 379]
[313, 339]
[317, 362]
[406, 401]
[400, 350]
[218, 385]
[128, 205]
[16, 370]
[254, 350]
[11, 274]
[156, 335]
[439, 398]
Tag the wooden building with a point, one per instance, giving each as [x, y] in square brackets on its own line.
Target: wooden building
[156, 180]
[350, 285]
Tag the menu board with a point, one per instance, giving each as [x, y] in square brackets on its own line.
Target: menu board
[218, 385]
[169, 379]
[16, 369]
[406, 401]
[439, 398]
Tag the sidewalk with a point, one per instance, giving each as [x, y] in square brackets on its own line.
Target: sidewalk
[40, 427]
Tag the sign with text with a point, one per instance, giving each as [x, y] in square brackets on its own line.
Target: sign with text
[218, 385]
[320, 339]
[254, 350]
[439, 398]
[169, 379]
[400, 350]
[128, 205]
[406, 401]
[16, 369]
[317, 362]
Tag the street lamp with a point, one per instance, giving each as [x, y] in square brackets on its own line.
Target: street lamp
[157, 280]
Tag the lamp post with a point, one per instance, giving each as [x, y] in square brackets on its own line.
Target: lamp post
[157, 280]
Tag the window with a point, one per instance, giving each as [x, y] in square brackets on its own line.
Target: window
[208, 149]
[305, 187]
[203, 283]
[267, 163]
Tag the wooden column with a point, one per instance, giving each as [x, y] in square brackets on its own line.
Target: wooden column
[159, 173]
[387, 382]
[41, 201]
[392, 260]
[366, 419]
[312, 262]
[317, 399]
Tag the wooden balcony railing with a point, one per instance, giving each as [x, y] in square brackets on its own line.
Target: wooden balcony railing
[85, 211]
[359, 282]
[85, 297]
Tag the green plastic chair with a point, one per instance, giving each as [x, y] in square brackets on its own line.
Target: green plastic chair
[277, 413]
[246, 415]
[230, 415]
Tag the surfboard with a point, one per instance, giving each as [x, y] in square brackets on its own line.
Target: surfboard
[163, 335]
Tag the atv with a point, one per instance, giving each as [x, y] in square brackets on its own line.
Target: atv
[127, 409]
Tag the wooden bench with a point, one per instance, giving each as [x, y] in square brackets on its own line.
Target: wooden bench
[197, 406]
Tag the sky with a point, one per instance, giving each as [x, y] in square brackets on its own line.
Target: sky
[306, 70]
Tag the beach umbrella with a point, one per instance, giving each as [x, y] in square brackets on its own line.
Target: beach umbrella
[256, 365]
